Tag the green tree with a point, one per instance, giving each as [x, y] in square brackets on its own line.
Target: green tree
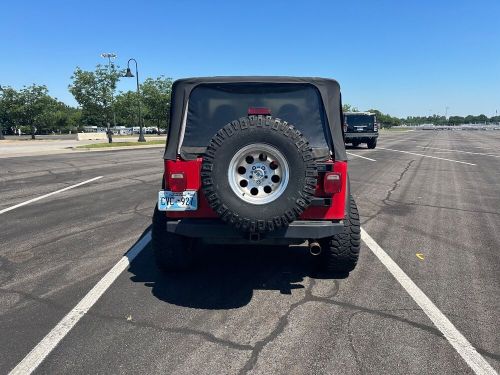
[384, 119]
[156, 98]
[32, 107]
[74, 122]
[349, 108]
[495, 119]
[61, 118]
[126, 108]
[482, 118]
[456, 120]
[93, 90]
[34, 104]
[9, 103]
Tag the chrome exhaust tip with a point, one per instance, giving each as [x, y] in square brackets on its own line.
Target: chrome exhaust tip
[314, 248]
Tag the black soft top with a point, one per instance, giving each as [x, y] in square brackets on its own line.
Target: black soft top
[329, 91]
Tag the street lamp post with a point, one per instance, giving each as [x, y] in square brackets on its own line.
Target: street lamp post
[129, 74]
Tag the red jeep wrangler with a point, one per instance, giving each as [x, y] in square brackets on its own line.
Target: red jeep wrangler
[256, 160]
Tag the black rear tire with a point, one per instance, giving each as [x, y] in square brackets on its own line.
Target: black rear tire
[171, 251]
[372, 143]
[355, 144]
[341, 252]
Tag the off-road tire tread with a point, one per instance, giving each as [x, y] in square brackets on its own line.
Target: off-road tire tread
[372, 143]
[213, 196]
[342, 250]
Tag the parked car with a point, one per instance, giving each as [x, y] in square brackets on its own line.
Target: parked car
[256, 160]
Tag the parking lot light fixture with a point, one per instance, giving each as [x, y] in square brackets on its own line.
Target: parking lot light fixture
[110, 56]
[129, 74]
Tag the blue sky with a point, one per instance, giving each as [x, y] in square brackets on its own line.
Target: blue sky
[402, 57]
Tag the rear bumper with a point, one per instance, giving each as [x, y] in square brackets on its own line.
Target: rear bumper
[299, 229]
[360, 136]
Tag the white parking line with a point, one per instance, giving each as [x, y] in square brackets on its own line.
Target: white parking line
[476, 362]
[485, 148]
[48, 195]
[398, 131]
[463, 152]
[425, 156]
[36, 356]
[359, 156]
[49, 342]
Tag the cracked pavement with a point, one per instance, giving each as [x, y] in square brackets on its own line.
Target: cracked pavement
[253, 310]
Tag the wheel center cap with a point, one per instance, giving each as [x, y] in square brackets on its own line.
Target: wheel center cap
[258, 174]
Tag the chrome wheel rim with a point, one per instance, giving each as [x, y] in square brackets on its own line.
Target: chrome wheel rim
[258, 173]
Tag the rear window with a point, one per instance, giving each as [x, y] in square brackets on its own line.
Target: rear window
[210, 107]
[357, 120]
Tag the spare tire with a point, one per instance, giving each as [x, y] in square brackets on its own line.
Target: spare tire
[258, 173]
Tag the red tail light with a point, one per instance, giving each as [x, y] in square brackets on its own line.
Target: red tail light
[177, 181]
[332, 183]
[259, 111]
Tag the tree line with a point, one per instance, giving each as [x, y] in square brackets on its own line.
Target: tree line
[388, 121]
[33, 111]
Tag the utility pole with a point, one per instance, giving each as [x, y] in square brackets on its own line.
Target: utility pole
[110, 56]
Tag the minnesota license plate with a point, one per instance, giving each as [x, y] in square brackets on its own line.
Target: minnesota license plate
[177, 201]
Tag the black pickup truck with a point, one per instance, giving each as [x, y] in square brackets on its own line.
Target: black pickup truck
[361, 127]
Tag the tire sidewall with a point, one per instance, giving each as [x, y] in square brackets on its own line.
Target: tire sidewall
[301, 182]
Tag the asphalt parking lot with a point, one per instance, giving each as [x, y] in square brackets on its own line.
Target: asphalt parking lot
[430, 200]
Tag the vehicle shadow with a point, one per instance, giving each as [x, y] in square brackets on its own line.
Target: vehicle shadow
[225, 277]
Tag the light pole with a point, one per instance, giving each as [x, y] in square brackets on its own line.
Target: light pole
[1, 124]
[129, 74]
[110, 56]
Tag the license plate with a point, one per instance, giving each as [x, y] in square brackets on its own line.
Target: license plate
[177, 201]
[360, 129]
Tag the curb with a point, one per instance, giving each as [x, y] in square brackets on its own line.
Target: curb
[83, 149]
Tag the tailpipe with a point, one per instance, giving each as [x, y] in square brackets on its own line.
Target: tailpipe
[314, 248]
